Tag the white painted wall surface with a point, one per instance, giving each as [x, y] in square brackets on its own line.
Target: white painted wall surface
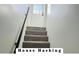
[10, 26]
[35, 20]
[63, 27]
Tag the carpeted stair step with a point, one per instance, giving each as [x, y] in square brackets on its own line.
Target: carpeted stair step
[33, 32]
[36, 28]
[36, 44]
[35, 38]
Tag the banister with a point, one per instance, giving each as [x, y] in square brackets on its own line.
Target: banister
[19, 38]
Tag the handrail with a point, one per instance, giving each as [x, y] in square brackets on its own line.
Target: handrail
[19, 38]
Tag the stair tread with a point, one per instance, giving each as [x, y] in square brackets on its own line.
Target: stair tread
[36, 31]
[35, 38]
[36, 35]
[36, 42]
[36, 28]
[30, 27]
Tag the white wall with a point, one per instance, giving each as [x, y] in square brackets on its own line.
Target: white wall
[10, 26]
[35, 20]
[63, 27]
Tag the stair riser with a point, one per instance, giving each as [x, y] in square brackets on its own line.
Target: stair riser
[30, 38]
[35, 33]
[36, 45]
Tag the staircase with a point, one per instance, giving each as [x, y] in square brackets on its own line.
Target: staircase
[36, 37]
